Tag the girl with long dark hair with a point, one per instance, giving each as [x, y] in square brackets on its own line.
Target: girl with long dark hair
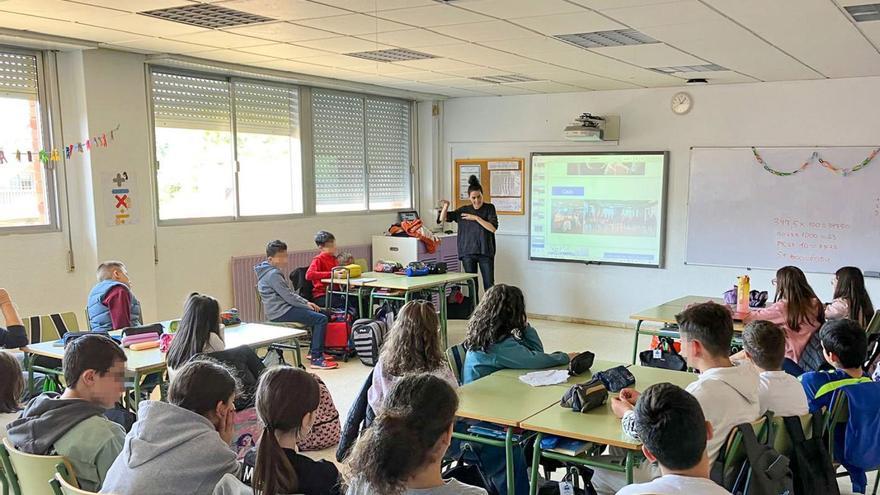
[851, 299]
[198, 333]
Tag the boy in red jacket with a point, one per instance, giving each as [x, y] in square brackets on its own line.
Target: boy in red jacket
[320, 268]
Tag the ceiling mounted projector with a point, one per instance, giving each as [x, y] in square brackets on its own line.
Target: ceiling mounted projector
[593, 128]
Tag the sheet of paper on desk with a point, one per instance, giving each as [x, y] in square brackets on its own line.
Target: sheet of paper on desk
[543, 378]
[365, 280]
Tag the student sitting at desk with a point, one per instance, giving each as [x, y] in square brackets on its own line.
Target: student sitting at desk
[73, 424]
[674, 433]
[13, 335]
[851, 299]
[198, 333]
[499, 336]
[111, 304]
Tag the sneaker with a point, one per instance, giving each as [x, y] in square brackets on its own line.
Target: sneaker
[322, 364]
[327, 357]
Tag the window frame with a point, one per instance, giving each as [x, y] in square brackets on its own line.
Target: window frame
[47, 124]
[307, 168]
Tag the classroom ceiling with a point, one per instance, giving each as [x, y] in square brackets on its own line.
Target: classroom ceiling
[489, 47]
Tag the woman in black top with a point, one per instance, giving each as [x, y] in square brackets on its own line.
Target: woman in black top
[477, 223]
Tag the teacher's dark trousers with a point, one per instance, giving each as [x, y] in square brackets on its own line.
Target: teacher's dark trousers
[486, 264]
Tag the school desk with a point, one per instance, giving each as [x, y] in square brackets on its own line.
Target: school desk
[665, 314]
[143, 363]
[373, 281]
[599, 426]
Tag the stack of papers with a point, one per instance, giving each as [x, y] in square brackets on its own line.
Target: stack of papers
[543, 378]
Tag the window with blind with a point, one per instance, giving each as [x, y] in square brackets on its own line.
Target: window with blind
[27, 190]
[362, 152]
[225, 148]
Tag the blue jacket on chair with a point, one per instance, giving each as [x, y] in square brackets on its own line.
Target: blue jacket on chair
[99, 313]
[526, 352]
[857, 446]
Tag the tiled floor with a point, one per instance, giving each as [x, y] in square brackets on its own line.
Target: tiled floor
[612, 344]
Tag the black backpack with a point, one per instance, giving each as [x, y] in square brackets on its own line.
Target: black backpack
[368, 336]
[810, 461]
[301, 284]
[765, 471]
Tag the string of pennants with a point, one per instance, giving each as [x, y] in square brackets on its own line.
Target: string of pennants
[54, 155]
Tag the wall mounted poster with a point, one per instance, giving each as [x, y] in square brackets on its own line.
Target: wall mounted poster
[118, 197]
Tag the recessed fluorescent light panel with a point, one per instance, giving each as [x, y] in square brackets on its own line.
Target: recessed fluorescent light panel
[392, 55]
[208, 16]
[504, 79]
[867, 12]
[689, 68]
[600, 39]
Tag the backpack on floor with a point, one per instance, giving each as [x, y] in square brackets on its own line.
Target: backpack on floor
[810, 460]
[368, 336]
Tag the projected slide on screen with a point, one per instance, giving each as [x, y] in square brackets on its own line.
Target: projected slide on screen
[598, 207]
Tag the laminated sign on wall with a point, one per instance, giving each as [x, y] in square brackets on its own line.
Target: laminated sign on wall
[501, 178]
[117, 189]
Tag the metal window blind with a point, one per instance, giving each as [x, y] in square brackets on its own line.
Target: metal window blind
[18, 75]
[338, 133]
[266, 109]
[388, 152]
[189, 102]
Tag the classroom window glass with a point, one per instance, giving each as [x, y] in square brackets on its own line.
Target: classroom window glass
[362, 152]
[26, 184]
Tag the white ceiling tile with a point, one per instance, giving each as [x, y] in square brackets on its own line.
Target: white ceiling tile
[872, 31]
[233, 56]
[840, 51]
[287, 65]
[284, 10]
[138, 5]
[718, 77]
[733, 47]
[580, 22]
[462, 82]
[665, 14]
[281, 31]
[388, 69]
[486, 31]
[342, 61]
[433, 15]
[376, 5]
[64, 28]
[508, 9]
[548, 87]
[476, 72]
[147, 26]
[651, 55]
[161, 45]
[438, 64]
[284, 50]
[58, 9]
[423, 75]
[411, 38]
[220, 39]
[596, 83]
[508, 90]
[463, 93]
[476, 54]
[611, 4]
[344, 44]
[528, 47]
[354, 24]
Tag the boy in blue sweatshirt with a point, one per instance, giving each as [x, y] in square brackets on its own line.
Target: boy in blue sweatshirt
[844, 346]
[282, 304]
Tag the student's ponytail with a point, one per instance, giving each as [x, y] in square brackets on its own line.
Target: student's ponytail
[417, 412]
[284, 396]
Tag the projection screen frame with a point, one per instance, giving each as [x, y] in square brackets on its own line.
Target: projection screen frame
[661, 261]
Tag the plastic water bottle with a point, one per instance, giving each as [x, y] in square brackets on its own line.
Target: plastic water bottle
[742, 294]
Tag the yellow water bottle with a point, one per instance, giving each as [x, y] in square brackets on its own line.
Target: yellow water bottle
[742, 294]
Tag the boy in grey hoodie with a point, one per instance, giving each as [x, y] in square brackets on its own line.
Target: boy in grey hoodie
[73, 424]
[727, 393]
[181, 446]
[282, 304]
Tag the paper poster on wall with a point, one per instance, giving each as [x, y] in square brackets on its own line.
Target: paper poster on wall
[503, 165]
[507, 204]
[117, 190]
[505, 183]
[465, 172]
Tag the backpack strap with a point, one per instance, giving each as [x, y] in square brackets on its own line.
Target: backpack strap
[59, 324]
[832, 386]
[795, 429]
[36, 329]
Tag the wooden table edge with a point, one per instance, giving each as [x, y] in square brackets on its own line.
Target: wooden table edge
[577, 436]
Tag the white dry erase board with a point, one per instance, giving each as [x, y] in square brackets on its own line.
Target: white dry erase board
[816, 208]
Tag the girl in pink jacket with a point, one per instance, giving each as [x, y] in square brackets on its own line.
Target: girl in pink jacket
[795, 308]
[851, 299]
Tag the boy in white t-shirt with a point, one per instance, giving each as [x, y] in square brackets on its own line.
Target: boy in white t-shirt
[764, 347]
[728, 394]
[674, 432]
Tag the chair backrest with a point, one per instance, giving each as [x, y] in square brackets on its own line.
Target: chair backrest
[874, 325]
[836, 415]
[781, 441]
[455, 356]
[62, 487]
[261, 315]
[46, 328]
[29, 474]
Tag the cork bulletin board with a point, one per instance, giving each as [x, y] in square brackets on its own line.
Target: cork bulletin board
[501, 178]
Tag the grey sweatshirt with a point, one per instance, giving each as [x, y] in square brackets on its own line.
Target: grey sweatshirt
[46, 419]
[170, 450]
[277, 296]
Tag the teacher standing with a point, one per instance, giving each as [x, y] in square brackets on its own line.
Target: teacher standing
[477, 223]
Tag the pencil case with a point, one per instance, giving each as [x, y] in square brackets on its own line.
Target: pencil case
[144, 345]
[136, 339]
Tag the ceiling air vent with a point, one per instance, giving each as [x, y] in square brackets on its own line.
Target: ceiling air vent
[503, 79]
[867, 12]
[689, 68]
[599, 39]
[207, 16]
[392, 55]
